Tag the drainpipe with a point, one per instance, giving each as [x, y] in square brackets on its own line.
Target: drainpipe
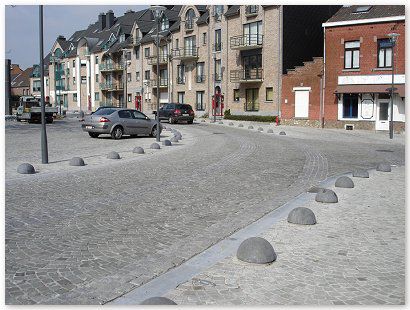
[323, 82]
[280, 61]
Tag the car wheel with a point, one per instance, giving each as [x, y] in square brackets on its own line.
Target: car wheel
[170, 120]
[93, 134]
[190, 122]
[117, 133]
[154, 131]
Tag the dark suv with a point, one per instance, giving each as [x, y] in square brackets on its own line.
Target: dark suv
[176, 112]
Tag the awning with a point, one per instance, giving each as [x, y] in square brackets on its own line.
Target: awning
[374, 88]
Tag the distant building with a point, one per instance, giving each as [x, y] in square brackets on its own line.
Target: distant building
[20, 83]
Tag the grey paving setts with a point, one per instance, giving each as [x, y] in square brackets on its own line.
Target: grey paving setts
[26, 168]
[384, 167]
[76, 161]
[256, 250]
[302, 215]
[344, 182]
[360, 173]
[326, 196]
[113, 155]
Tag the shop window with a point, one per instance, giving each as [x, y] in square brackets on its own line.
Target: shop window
[350, 105]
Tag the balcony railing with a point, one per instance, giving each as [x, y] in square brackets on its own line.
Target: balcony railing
[111, 67]
[251, 10]
[217, 47]
[247, 75]
[162, 83]
[246, 41]
[217, 77]
[67, 71]
[36, 89]
[60, 72]
[112, 86]
[200, 78]
[163, 59]
[180, 80]
[189, 24]
[185, 53]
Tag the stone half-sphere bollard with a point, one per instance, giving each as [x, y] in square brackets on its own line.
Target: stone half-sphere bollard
[155, 146]
[315, 189]
[282, 133]
[76, 161]
[138, 150]
[178, 136]
[260, 129]
[230, 124]
[220, 122]
[250, 127]
[360, 173]
[26, 168]
[174, 139]
[344, 182]
[113, 155]
[270, 130]
[202, 121]
[302, 216]
[256, 250]
[166, 143]
[383, 167]
[158, 301]
[326, 196]
[240, 125]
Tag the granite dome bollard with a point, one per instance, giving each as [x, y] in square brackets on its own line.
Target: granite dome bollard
[158, 301]
[240, 125]
[270, 130]
[326, 196]
[282, 133]
[230, 124]
[166, 143]
[220, 122]
[383, 167]
[302, 216]
[202, 121]
[113, 155]
[315, 189]
[256, 250]
[155, 146]
[250, 127]
[26, 168]
[138, 150]
[360, 173]
[344, 182]
[174, 139]
[260, 129]
[76, 161]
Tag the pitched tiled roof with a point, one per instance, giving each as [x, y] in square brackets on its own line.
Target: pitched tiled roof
[348, 13]
[23, 79]
[233, 10]
[203, 18]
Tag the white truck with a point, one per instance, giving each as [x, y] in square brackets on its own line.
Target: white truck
[30, 110]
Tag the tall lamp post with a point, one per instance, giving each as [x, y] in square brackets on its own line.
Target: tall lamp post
[393, 40]
[44, 148]
[157, 11]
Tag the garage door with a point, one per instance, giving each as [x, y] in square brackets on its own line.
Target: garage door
[302, 103]
[163, 97]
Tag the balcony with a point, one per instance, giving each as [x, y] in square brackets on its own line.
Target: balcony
[180, 80]
[251, 10]
[163, 59]
[217, 47]
[247, 75]
[112, 86]
[59, 72]
[185, 53]
[189, 25]
[163, 83]
[111, 67]
[246, 42]
[218, 77]
[200, 78]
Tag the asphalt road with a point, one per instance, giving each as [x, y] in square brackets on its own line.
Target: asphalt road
[89, 236]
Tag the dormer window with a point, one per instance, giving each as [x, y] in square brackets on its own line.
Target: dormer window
[164, 23]
[218, 11]
[189, 19]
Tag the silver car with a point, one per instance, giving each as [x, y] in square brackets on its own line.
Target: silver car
[118, 122]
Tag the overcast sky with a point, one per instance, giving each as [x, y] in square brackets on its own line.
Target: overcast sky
[22, 26]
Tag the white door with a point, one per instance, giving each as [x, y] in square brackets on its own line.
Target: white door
[302, 103]
[382, 120]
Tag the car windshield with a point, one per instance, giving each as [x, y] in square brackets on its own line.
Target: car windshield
[184, 106]
[105, 111]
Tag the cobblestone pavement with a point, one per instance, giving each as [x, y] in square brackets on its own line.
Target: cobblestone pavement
[91, 234]
[354, 255]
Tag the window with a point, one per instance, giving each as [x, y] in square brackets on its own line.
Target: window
[200, 101]
[146, 52]
[128, 56]
[129, 97]
[83, 79]
[137, 53]
[350, 105]
[36, 85]
[204, 38]
[253, 33]
[75, 97]
[269, 93]
[128, 77]
[96, 60]
[137, 76]
[384, 54]
[251, 9]
[139, 115]
[190, 46]
[352, 52]
[164, 23]
[200, 75]
[73, 63]
[97, 78]
[147, 75]
[236, 95]
[73, 80]
[83, 64]
[125, 114]
[122, 38]
[177, 43]
[180, 74]
[218, 70]
[181, 97]
[218, 45]
[218, 11]
[189, 19]
[46, 82]
[97, 96]
[252, 100]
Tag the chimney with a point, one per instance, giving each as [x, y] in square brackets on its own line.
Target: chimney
[60, 37]
[129, 11]
[109, 17]
[101, 21]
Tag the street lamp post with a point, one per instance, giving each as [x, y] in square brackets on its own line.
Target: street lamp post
[157, 11]
[393, 39]
[44, 148]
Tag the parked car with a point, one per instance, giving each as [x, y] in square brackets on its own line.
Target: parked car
[118, 122]
[103, 107]
[177, 112]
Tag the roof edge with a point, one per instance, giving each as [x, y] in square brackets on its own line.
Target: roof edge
[364, 21]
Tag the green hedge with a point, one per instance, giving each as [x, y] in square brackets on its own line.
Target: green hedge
[252, 118]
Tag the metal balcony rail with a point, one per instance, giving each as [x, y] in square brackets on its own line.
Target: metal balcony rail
[136, 41]
[163, 59]
[180, 80]
[36, 88]
[217, 47]
[251, 10]
[218, 77]
[246, 40]
[200, 78]
[189, 24]
[188, 52]
[67, 71]
[162, 83]
[112, 86]
[246, 75]
[111, 66]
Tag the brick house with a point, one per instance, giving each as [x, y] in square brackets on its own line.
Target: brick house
[358, 67]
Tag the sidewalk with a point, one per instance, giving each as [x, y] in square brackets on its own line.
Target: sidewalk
[354, 255]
